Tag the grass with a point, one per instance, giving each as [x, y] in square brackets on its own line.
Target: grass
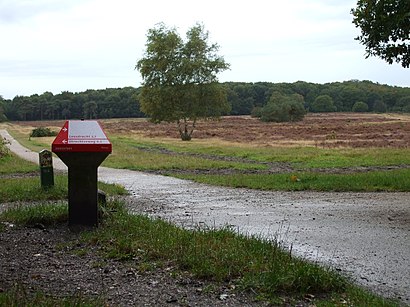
[19, 296]
[397, 180]
[252, 264]
[131, 155]
[307, 157]
[218, 255]
[29, 189]
[168, 155]
[10, 163]
[45, 214]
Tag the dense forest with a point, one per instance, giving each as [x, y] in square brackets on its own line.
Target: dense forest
[244, 98]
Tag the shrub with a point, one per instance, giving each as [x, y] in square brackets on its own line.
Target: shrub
[281, 108]
[323, 103]
[256, 112]
[42, 132]
[360, 106]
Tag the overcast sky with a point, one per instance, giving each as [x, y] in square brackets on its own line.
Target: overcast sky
[74, 45]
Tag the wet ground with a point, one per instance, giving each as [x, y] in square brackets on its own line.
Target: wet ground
[364, 235]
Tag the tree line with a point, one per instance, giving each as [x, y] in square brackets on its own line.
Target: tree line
[244, 99]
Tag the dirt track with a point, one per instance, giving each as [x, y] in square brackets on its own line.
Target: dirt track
[365, 235]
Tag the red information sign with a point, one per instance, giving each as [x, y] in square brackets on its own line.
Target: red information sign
[81, 136]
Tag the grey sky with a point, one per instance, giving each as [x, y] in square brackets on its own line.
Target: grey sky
[57, 45]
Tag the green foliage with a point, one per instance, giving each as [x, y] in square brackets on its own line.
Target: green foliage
[90, 109]
[281, 108]
[379, 107]
[256, 112]
[180, 78]
[323, 103]
[242, 98]
[3, 117]
[42, 132]
[385, 29]
[111, 103]
[360, 106]
[402, 104]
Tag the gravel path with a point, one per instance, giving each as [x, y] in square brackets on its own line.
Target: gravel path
[365, 235]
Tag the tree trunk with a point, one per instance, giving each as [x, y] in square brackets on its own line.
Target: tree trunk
[184, 131]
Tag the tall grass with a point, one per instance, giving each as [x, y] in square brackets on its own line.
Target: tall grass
[219, 255]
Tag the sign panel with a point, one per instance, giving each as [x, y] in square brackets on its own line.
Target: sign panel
[81, 136]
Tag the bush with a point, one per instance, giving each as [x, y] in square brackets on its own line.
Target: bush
[256, 112]
[281, 108]
[42, 132]
[360, 106]
[323, 103]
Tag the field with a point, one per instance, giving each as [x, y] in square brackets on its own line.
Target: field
[356, 130]
[323, 130]
[328, 151]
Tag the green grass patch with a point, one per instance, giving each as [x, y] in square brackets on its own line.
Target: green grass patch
[10, 163]
[219, 255]
[19, 296]
[45, 214]
[397, 180]
[128, 154]
[356, 296]
[29, 189]
[251, 263]
[13, 164]
[308, 157]
[147, 154]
